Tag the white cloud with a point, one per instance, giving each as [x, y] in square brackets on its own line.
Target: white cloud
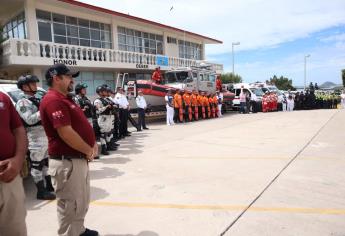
[255, 23]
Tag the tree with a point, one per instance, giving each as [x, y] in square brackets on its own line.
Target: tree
[282, 82]
[343, 76]
[230, 78]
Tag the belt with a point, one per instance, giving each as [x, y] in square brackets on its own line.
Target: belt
[67, 157]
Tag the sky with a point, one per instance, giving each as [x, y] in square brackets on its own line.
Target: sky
[274, 35]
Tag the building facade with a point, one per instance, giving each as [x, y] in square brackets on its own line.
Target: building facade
[99, 42]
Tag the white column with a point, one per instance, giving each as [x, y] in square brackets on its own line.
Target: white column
[114, 34]
[31, 21]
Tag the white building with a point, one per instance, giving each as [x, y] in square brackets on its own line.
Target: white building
[101, 43]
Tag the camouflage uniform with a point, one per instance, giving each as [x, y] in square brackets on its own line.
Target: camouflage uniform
[28, 109]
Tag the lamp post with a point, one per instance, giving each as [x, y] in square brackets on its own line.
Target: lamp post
[233, 57]
[305, 71]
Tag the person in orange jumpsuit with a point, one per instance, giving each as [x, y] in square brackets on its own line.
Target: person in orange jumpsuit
[187, 101]
[215, 104]
[178, 107]
[201, 107]
[207, 106]
[195, 108]
[157, 76]
[218, 83]
[213, 110]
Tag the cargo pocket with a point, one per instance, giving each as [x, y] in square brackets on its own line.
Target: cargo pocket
[53, 172]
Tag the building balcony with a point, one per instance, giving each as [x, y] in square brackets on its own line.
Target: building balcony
[39, 53]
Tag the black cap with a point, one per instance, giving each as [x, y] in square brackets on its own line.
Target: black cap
[60, 69]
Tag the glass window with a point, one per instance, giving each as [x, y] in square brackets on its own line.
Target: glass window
[59, 29]
[130, 40]
[160, 48]
[58, 18]
[107, 27]
[85, 42]
[84, 33]
[106, 45]
[73, 41]
[84, 23]
[60, 39]
[95, 34]
[44, 31]
[152, 36]
[43, 15]
[96, 44]
[21, 31]
[72, 31]
[71, 20]
[105, 36]
[122, 39]
[94, 25]
[121, 30]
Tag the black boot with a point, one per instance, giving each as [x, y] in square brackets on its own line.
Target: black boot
[111, 147]
[42, 193]
[49, 186]
[104, 150]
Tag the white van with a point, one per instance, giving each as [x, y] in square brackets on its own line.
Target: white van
[249, 89]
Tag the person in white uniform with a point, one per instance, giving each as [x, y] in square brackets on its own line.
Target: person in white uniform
[290, 103]
[342, 97]
[170, 107]
[142, 105]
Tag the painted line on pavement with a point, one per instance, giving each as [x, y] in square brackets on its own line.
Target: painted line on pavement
[255, 158]
[321, 211]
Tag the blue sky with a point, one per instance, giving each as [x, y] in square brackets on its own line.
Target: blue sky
[327, 58]
[275, 35]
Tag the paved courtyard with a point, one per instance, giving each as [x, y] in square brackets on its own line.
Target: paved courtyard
[254, 174]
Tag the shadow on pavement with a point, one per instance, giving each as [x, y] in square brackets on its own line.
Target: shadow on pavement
[97, 193]
[105, 172]
[143, 233]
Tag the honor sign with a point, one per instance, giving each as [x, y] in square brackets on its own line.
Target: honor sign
[67, 62]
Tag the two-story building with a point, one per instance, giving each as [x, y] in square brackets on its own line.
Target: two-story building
[101, 43]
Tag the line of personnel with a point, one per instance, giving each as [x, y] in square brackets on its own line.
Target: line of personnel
[187, 106]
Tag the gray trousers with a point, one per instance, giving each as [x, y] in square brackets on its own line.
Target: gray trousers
[71, 181]
[12, 208]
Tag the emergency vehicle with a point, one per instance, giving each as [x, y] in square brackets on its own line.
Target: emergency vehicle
[200, 78]
[270, 88]
[236, 89]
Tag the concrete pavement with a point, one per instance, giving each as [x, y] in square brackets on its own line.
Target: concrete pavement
[255, 174]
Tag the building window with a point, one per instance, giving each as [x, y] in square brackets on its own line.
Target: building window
[172, 40]
[137, 41]
[189, 50]
[15, 28]
[63, 29]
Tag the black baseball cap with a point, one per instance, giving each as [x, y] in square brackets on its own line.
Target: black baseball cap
[60, 69]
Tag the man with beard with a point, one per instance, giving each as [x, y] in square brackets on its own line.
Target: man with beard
[28, 109]
[71, 145]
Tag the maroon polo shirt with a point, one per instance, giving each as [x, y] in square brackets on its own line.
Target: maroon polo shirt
[9, 120]
[58, 110]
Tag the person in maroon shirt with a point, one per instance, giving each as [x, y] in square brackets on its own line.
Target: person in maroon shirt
[71, 145]
[12, 153]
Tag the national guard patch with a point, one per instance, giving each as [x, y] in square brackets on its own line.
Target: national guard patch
[22, 109]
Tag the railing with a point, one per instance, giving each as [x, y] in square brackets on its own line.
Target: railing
[41, 49]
